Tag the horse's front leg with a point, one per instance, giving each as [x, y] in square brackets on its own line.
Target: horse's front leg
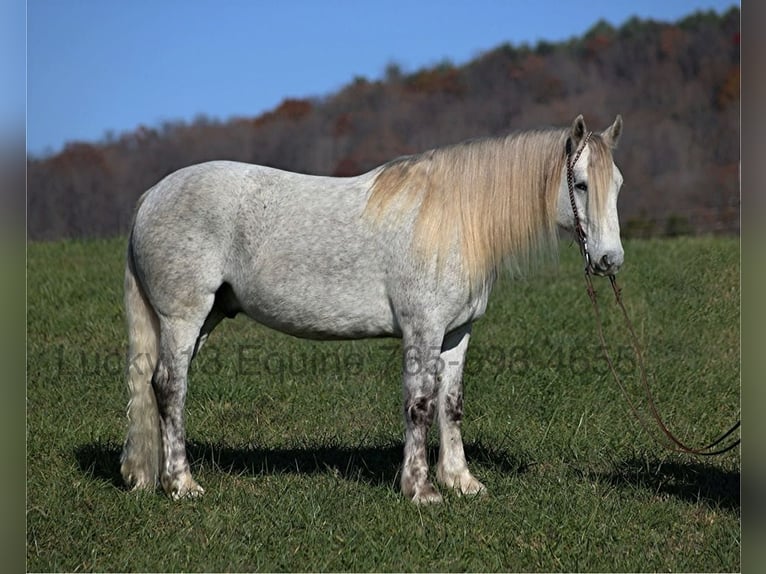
[452, 470]
[177, 340]
[420, 365]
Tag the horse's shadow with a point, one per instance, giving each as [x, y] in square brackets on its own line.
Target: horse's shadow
[375, 465]
[380, 466]
[689, 481]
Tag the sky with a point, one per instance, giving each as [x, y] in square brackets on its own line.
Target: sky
[95, 67]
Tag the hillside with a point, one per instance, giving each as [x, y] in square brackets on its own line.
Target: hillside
[676, 85]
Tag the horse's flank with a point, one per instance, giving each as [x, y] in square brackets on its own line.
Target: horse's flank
[494, 198]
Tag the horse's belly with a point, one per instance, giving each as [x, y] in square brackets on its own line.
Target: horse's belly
[321, 310]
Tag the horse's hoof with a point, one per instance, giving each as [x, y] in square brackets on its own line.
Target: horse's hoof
[137, 474]
[137, 481]
[462, 482]
[426, 495]
[193, 492]
[183, 487]
[472, 488]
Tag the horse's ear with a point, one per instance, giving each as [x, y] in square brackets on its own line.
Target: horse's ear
[578, 131]
[612, 134]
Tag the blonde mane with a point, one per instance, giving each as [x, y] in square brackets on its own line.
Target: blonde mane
[496, 198]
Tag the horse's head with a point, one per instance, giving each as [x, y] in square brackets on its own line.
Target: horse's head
[597, 182]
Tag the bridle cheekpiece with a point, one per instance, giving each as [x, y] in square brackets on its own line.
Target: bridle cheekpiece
[582, 238]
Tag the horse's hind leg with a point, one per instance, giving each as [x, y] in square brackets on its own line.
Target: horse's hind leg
[178, 339]
[452, 470]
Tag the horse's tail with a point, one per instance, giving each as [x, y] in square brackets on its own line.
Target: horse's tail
[142, 454]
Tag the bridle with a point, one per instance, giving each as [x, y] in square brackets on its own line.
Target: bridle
[582, 240]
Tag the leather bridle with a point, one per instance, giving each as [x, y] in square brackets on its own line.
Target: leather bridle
[674, 443]
[582, 238]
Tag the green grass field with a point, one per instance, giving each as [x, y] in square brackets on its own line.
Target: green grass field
[298, 444]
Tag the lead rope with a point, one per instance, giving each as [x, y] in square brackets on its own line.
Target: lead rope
[582, 241]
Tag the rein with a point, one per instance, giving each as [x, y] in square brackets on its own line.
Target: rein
[674, 443]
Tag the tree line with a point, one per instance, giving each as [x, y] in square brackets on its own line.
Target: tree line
[677, 86]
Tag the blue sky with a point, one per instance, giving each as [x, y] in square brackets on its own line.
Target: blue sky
[98, 66]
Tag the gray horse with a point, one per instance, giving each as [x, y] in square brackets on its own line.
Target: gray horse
[410, 249]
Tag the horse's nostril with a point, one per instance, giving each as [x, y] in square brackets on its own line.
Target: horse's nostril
[610, 262]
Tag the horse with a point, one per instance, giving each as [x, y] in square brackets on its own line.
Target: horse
[410, 249]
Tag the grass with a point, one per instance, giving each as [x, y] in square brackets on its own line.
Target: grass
[298, 444]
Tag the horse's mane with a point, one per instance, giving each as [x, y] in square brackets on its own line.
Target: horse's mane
[495, 197]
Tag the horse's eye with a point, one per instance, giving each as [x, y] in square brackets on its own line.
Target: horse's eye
[582, 186]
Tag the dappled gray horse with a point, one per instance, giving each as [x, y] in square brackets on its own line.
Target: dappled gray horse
[410, 249]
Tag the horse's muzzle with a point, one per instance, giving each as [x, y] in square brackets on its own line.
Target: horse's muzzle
[609, 263]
